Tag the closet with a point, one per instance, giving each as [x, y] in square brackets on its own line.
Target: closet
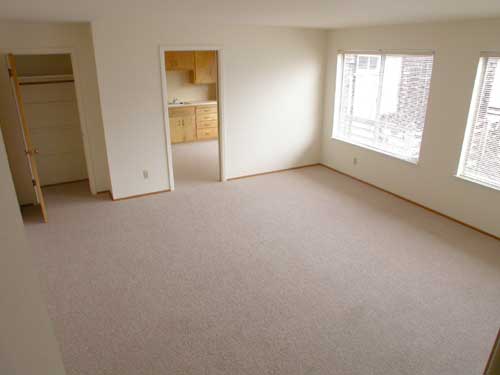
[48, 123]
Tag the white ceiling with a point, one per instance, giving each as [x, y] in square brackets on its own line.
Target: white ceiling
[312, 13]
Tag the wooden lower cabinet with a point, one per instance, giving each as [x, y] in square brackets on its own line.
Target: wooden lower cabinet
[182, 129]
[206, 117]
[208, 133]
[176, 130]
[182, 124]
[193, 123]
[206, 124]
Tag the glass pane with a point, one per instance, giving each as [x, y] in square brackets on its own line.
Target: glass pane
[481, 153]
[384, 102]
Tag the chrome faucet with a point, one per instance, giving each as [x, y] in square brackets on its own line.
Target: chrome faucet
[175, 100]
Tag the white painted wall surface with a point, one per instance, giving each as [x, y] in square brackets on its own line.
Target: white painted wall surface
[20, 36]
[27, 342]
[273, 82]
[431, 182]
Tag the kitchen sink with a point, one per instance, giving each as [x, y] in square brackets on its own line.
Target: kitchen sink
[179, 102]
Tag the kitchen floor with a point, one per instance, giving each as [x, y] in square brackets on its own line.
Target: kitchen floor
[195, 163]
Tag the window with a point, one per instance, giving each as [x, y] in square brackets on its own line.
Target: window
[381, 101]
[480, 159]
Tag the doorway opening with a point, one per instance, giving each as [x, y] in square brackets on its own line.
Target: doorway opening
[42, 130]
[192, 92]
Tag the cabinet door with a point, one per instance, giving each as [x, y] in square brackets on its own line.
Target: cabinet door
[189, 127]
[179, 60]
[176, 130]
[205, 67]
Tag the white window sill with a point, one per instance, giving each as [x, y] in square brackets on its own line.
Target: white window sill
[378, 151]
[477, 183]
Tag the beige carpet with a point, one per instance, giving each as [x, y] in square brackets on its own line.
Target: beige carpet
[195, 163]
[305, 272]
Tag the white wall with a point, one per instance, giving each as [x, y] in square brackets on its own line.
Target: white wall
[180, 87]
[18, 36]
[273, 87]
[431, 182]
[27, 342]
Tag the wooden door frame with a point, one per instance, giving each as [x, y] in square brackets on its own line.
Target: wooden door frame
[79, 99]
[220, 105]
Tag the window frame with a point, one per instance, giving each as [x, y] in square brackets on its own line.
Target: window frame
[471, 119]
[338, 94]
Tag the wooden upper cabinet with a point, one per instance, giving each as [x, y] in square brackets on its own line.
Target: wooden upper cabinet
[202, 64]
[205, 67]
[179, 60]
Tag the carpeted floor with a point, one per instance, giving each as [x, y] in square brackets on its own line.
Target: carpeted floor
[305, 272]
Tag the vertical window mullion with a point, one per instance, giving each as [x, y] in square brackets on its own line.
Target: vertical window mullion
[353, 93]
[379, 98]
[339, 98]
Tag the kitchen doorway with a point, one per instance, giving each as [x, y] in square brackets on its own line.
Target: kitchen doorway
[192, 102]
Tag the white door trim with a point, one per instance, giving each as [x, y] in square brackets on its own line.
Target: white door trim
[220, 105]
[79, 99]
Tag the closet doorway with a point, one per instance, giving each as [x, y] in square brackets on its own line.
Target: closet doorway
[44, 134]
[193, 107]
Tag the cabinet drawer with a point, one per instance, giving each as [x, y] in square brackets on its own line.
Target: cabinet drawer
[180, 111]
[204, 117]
[206, 109]
[206, 124]
[207, 133]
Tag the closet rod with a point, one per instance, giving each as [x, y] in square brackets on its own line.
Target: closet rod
[45, 83]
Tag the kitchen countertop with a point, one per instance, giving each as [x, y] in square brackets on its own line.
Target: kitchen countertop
[193, 103]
